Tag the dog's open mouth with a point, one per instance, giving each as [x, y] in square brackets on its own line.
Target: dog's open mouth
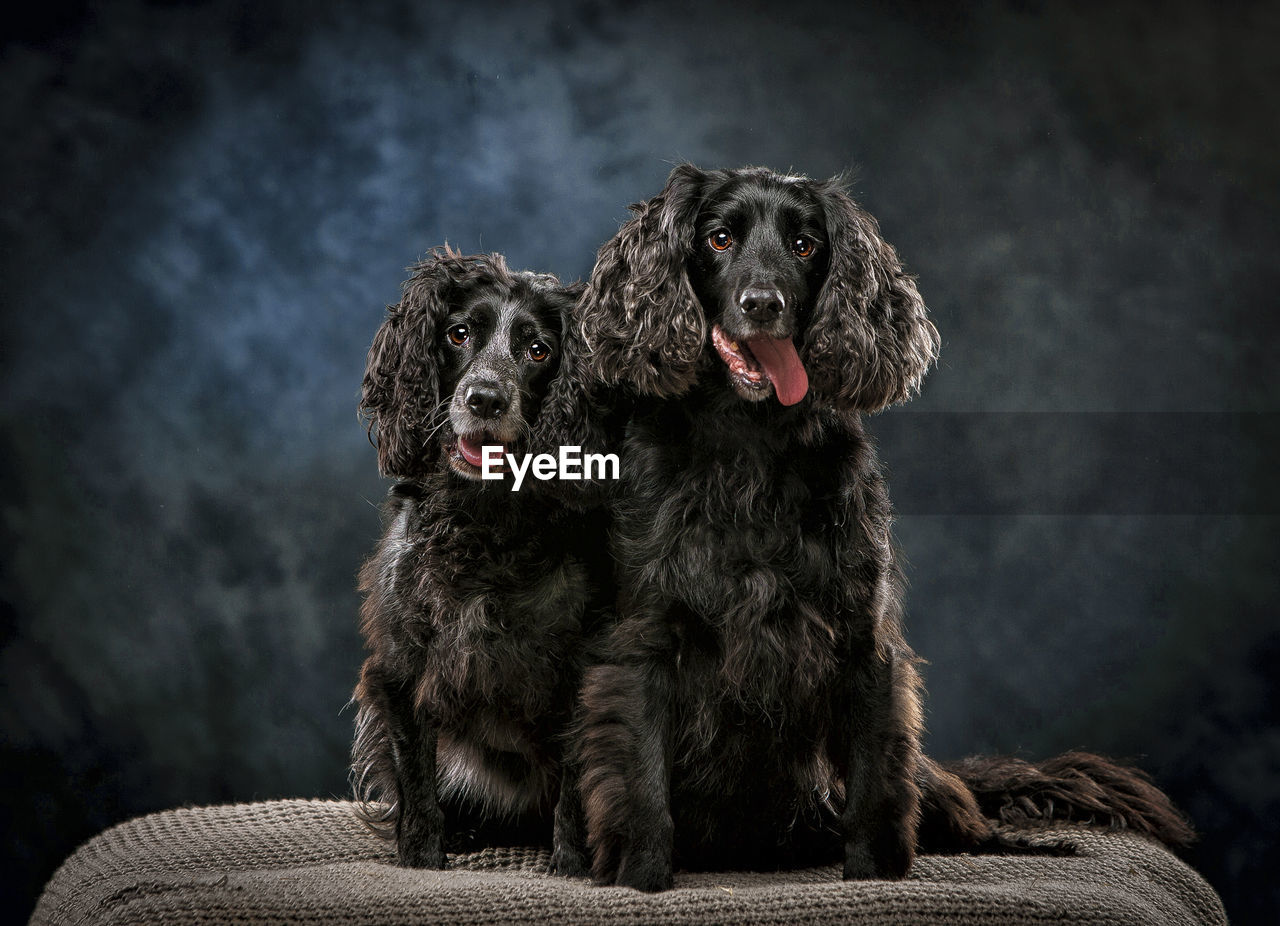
[762, 363]
[466, 454]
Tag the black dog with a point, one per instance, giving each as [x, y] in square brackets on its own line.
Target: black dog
[758, 699]
[478, 597]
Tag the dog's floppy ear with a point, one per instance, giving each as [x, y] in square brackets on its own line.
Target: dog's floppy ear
[640, 322]
[576, 411]
[400, 395]
[870, 326]
[564, 417]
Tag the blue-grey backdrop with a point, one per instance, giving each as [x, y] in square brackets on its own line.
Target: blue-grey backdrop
[207, 206]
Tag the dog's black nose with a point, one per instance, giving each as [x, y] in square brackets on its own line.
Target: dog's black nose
[485, 401]
[761, 303]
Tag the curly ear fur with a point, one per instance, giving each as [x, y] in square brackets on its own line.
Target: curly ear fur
[640, 322]
[575, 412]
[869, 326]
[564, 418]
[400, 394]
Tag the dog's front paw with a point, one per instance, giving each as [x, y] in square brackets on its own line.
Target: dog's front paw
[421, 851]
[569, 861]
[648, 870]
[889, 857]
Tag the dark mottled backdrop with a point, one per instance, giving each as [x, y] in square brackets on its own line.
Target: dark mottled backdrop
[207, 206]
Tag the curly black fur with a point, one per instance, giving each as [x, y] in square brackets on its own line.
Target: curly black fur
[478, 599]
[757, 701]
[1078, 786]
[758, 660]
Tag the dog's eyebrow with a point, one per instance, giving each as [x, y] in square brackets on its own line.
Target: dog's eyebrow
[715, 215]
[481, 304]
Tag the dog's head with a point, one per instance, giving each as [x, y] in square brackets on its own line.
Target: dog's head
[785, 279]
[463, 361]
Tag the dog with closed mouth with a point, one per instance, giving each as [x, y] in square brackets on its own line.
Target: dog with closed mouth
[479, 600]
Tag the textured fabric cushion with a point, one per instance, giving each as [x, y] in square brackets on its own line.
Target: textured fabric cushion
[312, 861]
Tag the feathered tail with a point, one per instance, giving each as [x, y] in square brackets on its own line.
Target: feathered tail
[1075, 786]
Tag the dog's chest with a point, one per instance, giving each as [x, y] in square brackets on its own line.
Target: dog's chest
[721, 534]
[737, 543]
[520, 575]
[499, 612]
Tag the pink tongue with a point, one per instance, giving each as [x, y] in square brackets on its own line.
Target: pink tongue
[472, 449]
[782, 365]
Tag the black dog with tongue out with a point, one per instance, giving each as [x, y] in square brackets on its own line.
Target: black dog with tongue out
[757, 704]
[478, 599]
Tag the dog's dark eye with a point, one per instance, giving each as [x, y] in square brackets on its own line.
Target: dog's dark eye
[720, 240]
[803, 246]
[539, 352]
[458, 335]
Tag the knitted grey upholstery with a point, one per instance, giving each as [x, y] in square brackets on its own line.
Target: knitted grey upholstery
[313, 862]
